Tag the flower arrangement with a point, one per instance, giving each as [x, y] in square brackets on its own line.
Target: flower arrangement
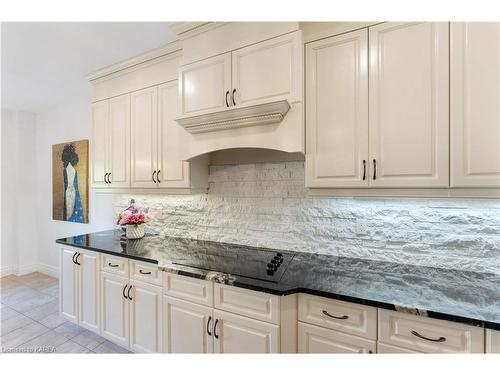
[133, 217]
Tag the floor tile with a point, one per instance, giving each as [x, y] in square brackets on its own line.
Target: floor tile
[71, 347]
[7, 313]
[14, 323]
[51, 290]
[109, 347]
[41, 312]
[32, 302]
[39, 284]
[23, 335]
[69, 330]
[48, 339]
[52, 321]
[88, 339]
[16, 293]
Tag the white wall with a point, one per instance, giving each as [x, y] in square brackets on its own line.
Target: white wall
[70, 122]
[19, 215]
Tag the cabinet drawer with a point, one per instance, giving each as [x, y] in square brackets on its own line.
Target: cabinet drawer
[147, 272]
[389, 349]
[428, 335]
[188, 288]
[342, 316]
[249, 303]
[117, 265]
[313, 339]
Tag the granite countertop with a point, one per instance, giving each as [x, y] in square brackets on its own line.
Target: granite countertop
[461, 296]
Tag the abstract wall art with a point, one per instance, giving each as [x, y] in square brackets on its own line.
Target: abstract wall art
[70, 190]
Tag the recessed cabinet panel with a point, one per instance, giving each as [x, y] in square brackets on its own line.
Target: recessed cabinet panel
[144, 136]
[89, 290]
[203, 85]
[114, 309]
[173, 172]
[337, 111]
[268, 71]
[188, 327]
[475, 104]
[119, 141]
[99, 142]
[68, 280]
[409, 105]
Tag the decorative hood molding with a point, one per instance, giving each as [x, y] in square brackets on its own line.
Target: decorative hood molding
[236, 117]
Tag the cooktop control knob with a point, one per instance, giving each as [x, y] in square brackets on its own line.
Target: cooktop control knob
[278, 259]
[272, 266]
[279, 254]
[270, 272]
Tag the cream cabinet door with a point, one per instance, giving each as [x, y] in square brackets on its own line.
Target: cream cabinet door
[238, 334]
[188, 327]
[145, 317]
[68, 284]
[492, 341]
[144, 137]
[114, 309]
[313, 339]
[409, 106]
[88, 287]
[205, 86]
[119, 141]
[172, 171]
[475, 104]
[337, 111]
[268, 71]
[99, 143]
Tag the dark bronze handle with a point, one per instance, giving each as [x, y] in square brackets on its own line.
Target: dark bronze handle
[374, 169]
[105, 178]
[153, 177]
[109, 178]
[123, 292]
[440, 339]
[145, 273]
[158, 175]
[227, 93]
[208, 325]
[232, 97]
[76, 259]
[343, 317]
[112, 265]
[364, 170]
[128, 293]
[215, 327]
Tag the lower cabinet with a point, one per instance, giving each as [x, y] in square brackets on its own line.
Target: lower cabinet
[313, 339]
[114, 308]
[389, 349]
[492, 341]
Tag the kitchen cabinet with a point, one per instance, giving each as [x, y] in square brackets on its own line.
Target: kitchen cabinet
[408, 111]
[337, 111]
[475, 110]
[110, 143]
[188, 327]
[115, 316]
[79, 287]
[260, 73]
[492, 341]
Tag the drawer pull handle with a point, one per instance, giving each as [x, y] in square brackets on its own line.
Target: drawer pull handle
[215, 328]
[112, 265]
[145, 273]
[343, 317]
[440, 339]
[208, 325]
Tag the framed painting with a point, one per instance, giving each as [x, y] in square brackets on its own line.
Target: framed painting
[70, 189]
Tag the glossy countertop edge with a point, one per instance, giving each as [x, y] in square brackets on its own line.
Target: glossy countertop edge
[282, 290]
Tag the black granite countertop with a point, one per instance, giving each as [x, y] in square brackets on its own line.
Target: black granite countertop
[461, 296]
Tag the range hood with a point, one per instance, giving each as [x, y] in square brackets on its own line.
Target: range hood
[274, 125]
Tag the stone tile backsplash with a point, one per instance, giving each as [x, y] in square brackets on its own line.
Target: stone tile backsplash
[266, 204]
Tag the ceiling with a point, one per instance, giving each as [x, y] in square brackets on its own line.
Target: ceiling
[44, 64]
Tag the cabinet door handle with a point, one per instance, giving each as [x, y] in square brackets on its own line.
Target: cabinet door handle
[374, 169]
[128, 293]
[215, 328]
[343, 317]
[145, 273]
[208, 325]
[76, 259]
[158, 176]
[109, 178]
[105, 179]
[440, 339]
[364, 170]
[123, 291]
[227, 93]
[153, 177]
[232, 97]
[112, 265]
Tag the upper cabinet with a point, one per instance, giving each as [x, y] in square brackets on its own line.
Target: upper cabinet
[337, 111]
[475, 104]
[409, 107]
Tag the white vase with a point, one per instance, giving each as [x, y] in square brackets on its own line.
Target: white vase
[135, 231]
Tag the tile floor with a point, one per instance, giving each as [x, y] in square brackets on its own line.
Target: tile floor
[30, 320]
